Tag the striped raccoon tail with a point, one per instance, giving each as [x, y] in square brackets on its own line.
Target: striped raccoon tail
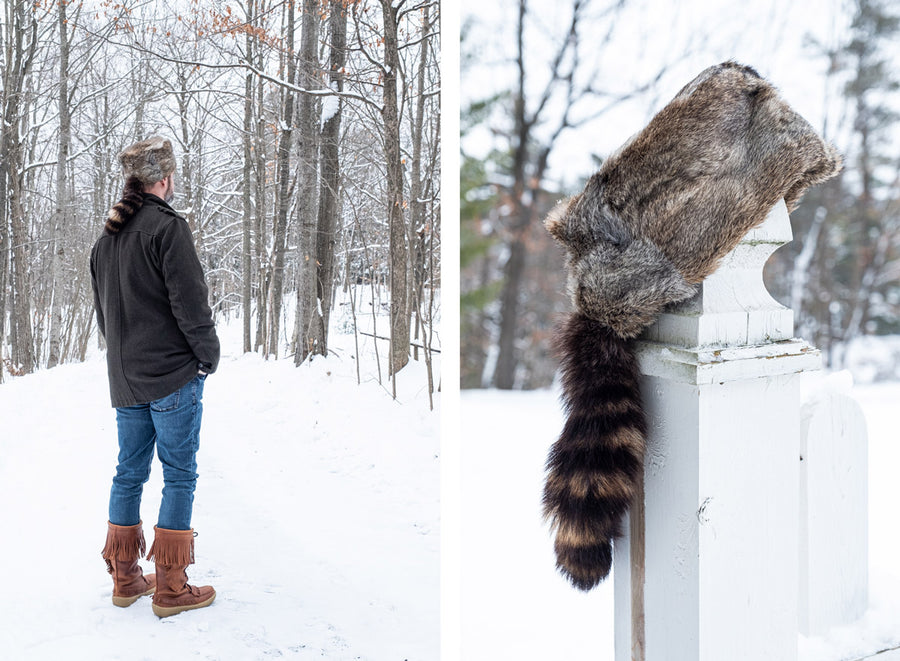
[125, 208]
[594, 467]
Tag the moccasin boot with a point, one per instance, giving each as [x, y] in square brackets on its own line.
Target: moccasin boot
[173, 551]
[124, 544]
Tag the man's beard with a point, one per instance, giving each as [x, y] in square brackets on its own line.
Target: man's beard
[170, 191]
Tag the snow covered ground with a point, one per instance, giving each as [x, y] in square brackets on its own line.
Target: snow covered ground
[515, 606]
[317, 509]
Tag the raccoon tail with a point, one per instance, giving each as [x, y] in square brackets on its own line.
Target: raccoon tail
[594, 467]
[124, 209]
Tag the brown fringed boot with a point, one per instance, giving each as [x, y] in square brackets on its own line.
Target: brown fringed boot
[124, 545]
[173, 551]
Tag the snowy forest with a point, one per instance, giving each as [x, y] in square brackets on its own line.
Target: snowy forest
[308, 146]
[569, 87]
[307, 141]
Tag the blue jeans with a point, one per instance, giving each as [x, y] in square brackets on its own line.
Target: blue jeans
[172, 424]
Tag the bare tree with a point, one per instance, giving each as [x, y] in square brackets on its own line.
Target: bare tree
[390, 113]
[246, 192]
[307, 309]
[61, 219]
[418, 233]
[330, 181]
[285, 132]
[20, 44]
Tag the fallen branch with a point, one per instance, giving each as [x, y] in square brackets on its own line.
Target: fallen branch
[387, 339]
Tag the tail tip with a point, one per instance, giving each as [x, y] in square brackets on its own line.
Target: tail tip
[585, 567]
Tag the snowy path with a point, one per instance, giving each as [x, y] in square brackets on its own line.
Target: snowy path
[317, 510]
[515, 606]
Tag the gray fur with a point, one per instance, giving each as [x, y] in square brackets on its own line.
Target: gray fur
[625, 289]
[149, 160]
[679, 195]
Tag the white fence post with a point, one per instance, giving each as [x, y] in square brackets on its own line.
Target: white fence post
[708, 569]
[834, 576]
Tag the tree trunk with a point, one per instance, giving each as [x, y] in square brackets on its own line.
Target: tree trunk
[262, 285]
[4, 206]
[186, 176]
[11, 158]
[23, 349]
[246, 223]
[307, 309]
[504, 375]
[62, 199]
[330, 183]
[4, 268]
[284, 202]
[417, 229]
[399, 253]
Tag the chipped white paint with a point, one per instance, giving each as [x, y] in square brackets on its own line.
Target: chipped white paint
[720, 535]
[708, 365]
[833, 514]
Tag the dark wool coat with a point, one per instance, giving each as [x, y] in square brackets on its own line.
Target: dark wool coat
[151, 301]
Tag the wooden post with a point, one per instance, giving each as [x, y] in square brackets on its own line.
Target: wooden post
[708, 568]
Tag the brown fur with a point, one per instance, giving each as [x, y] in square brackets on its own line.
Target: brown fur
[124, 209]
[149, 160]
[647, 229]
[593, 467]
[663, 210]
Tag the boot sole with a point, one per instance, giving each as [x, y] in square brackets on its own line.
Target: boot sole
[163, 611]
[123, 602]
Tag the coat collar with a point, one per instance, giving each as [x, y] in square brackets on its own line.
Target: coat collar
[158, 200]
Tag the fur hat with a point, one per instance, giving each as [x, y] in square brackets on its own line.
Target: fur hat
[664, 209]
[149, 160]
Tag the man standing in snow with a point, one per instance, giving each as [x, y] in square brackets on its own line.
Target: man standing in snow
[151, 301]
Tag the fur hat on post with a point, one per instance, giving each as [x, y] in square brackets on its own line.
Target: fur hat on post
[149, 160]
[645, 231]
[666, 207]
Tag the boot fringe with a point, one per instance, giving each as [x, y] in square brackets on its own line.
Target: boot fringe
[172, 548]
[123, 543]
